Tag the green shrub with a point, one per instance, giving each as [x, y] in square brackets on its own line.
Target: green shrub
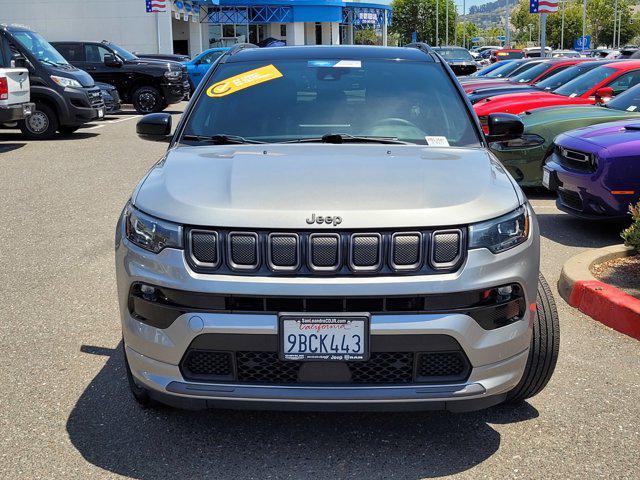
[631, 235]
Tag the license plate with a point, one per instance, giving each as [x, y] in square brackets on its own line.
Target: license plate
[546, 176]
[324, 337]
[100, 113]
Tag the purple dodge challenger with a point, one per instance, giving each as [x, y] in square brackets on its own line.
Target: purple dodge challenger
[596, 170]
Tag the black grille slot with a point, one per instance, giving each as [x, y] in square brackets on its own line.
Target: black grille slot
[366, 251]
[575, 160]
[384, 367]
[205, 247]
[324, 251]
[445, 247]
[199, 364]
[265, 367]
[284, 251]
[243, 250]
[570, 199]
[441, 364]
[406, 251]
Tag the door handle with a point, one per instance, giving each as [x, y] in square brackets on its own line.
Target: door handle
[90, 68]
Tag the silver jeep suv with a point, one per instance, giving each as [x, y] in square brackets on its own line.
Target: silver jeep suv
[328, 230]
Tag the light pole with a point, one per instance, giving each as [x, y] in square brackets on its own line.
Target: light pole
[437, 20]
[464, 27]
[446, 22]
[562, 27]
[615, 21]
[506, 27]
[584, 23]
[530, 30]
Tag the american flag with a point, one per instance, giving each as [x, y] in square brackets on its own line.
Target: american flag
[543, 6]
[156, 6]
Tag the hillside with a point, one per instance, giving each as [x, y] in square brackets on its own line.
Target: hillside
[488, 15]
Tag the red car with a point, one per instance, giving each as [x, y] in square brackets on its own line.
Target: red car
[505, 54]
[596, 86]
[538, 71]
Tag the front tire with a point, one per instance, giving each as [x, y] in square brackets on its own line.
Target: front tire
[545, 345]
[147, 100]
[42, 124]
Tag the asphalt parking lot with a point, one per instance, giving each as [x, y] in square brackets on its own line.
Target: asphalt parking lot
[65, 405]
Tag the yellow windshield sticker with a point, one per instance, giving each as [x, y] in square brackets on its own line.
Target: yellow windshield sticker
[243, 80]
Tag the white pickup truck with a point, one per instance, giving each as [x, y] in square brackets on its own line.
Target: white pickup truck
[14, 95]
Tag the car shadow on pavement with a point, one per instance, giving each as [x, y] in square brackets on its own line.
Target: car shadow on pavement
[576, 232]
[8, 147]
[109, 429]
[79, 135]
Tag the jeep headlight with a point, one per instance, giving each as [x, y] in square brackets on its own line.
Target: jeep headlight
[66, 82]
[149, 232]
[173, 74]
[502, 233]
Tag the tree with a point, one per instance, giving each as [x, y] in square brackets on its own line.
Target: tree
[366, 36]
[420, 16]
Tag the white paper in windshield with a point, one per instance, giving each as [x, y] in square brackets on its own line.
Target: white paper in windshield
[437, 141]
[631, 108]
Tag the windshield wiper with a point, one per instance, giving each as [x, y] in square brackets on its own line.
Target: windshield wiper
[55, 64]
[346, 138]
[220, 139]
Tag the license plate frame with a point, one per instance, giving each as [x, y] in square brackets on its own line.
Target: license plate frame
[317, 318]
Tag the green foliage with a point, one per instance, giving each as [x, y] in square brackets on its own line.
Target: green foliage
[420, 16]
[631, 235]
[366, 36]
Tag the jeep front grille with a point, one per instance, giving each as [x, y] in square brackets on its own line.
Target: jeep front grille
[325, 253]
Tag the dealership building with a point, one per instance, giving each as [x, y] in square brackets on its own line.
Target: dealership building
[190, 26]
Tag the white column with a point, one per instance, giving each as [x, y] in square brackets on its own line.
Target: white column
[385, 24]
[295, 33]
[309, 33]
[330, 33]
[195, 38]
[164, 32]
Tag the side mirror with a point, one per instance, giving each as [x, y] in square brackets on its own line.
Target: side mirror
[155, 127]
[18, 61]
[112, 61]
[504, 126]
[603, 94]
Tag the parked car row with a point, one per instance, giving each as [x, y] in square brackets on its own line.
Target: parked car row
[562, 103]
[59, 86]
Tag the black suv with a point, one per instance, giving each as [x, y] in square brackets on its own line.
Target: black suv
[64, 96]
[150, 85]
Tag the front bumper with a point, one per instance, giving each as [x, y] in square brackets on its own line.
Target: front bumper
[589, 195]
[82, 106]
[176, 91]
[497, 357]
[13, 113]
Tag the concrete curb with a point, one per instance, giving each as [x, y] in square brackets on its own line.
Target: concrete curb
[602, 302]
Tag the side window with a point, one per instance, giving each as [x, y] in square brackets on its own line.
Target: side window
[5, 53]
[95, 53]
[551, 73]
[625, 81]
[209, 58]
[72, 52]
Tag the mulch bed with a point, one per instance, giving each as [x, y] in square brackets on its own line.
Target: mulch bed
[623, 273]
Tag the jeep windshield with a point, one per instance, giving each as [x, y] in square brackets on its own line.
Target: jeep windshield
[303, 99]
[42, 50]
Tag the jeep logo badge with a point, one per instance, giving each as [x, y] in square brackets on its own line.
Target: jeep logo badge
[327, 220]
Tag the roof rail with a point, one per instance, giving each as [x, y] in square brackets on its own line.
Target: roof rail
[425, 47]
[241, 46]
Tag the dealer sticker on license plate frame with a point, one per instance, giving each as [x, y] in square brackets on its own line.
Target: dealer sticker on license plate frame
[324, 337]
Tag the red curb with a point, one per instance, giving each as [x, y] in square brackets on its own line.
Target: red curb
[608, 305]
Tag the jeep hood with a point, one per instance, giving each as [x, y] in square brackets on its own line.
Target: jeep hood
[280, 186]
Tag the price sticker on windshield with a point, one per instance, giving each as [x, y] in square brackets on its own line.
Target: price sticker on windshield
[243, 80]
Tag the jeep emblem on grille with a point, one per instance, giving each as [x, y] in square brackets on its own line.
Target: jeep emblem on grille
[328, 220]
